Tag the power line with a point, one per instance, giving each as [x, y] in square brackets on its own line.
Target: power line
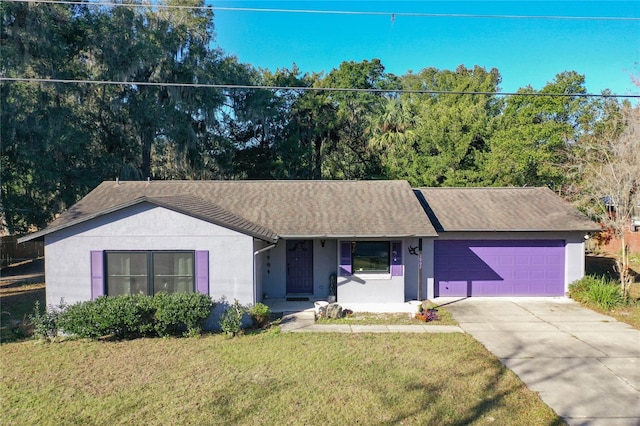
[308, 89]
[393, 15]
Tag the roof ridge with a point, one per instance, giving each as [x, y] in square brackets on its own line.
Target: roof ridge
[199, 181]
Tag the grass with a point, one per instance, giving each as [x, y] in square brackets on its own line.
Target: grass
[603, 266]
[268, 378]
[260, 378]
[444, 318]
[16, 304]
[628, 314]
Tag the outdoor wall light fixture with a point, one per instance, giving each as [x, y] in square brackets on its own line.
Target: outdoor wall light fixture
[322, 242]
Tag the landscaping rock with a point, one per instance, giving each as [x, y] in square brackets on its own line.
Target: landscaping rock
[321, 311]
[334, 310]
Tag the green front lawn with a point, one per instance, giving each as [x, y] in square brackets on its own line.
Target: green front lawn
[261, 378]
[268, 378]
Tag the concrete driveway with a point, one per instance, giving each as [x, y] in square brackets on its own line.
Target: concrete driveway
[584, 365]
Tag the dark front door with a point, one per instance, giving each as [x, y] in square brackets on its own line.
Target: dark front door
[300, 266]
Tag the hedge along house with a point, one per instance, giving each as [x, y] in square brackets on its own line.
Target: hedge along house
[504, 241]
[245, 240]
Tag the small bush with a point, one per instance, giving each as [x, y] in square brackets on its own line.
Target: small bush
[605, 294]
[181, 313]
[578, 289]
[119, 317]
[432, 315]
[427, 315]
[598, 291]
[46, 325]
[260, 314]
[231, 319]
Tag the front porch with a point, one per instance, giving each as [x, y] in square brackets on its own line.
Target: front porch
[380, 278]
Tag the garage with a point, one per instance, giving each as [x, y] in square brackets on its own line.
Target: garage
[465, 268]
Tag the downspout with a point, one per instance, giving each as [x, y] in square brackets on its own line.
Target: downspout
[255, 271]
[420, 269]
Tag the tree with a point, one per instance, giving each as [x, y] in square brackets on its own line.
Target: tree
[155, 45]
[266, 127]
[347, 156]
[394, 135]
[608, 166]
[60, 140]
[445, 143]
[48, 156]
[533, 132]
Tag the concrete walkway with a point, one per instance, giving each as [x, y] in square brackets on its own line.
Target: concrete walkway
[304, 322]
[584, 365]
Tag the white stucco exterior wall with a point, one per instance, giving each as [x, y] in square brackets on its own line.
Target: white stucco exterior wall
[382, 288]
[574, 258]
[147, 227]
[273, 269]
[324, 265]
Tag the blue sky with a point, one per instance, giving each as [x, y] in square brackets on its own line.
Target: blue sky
[525, 51]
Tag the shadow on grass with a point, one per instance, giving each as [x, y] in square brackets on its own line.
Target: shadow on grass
[14, 313]
[497, 397]
[20, 288]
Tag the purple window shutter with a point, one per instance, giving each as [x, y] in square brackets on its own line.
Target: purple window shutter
[396, 258]
[345, 258]
[97, 274]
[202, 272]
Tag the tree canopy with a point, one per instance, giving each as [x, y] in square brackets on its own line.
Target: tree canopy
[59, 140]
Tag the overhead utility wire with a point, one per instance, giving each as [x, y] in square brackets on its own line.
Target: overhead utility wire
[333, 12]
[308, 89]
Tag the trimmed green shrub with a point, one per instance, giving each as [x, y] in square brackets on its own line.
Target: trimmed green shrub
[181, 313]
[127, 317]
[260, 314]
[231, 319]
[598, 291]
[119, 317]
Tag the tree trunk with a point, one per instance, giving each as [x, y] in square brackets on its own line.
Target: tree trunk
[317, 160]
[147, 141]
[623, 268]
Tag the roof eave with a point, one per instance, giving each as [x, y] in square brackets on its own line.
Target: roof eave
[520, 230]
[36, 236]
[344, 236]
[269, 236]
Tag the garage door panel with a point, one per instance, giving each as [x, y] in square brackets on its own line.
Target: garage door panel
[453, 288]
[499, 268]
[537, 274]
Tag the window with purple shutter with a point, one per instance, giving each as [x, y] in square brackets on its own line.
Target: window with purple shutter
[202, 271]
[345, 258]
[97, 274]
[396, 258]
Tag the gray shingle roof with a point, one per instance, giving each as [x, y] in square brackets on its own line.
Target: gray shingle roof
[501, 209]
[264, 209]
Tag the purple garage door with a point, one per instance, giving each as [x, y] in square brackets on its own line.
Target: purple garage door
[499, 268]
